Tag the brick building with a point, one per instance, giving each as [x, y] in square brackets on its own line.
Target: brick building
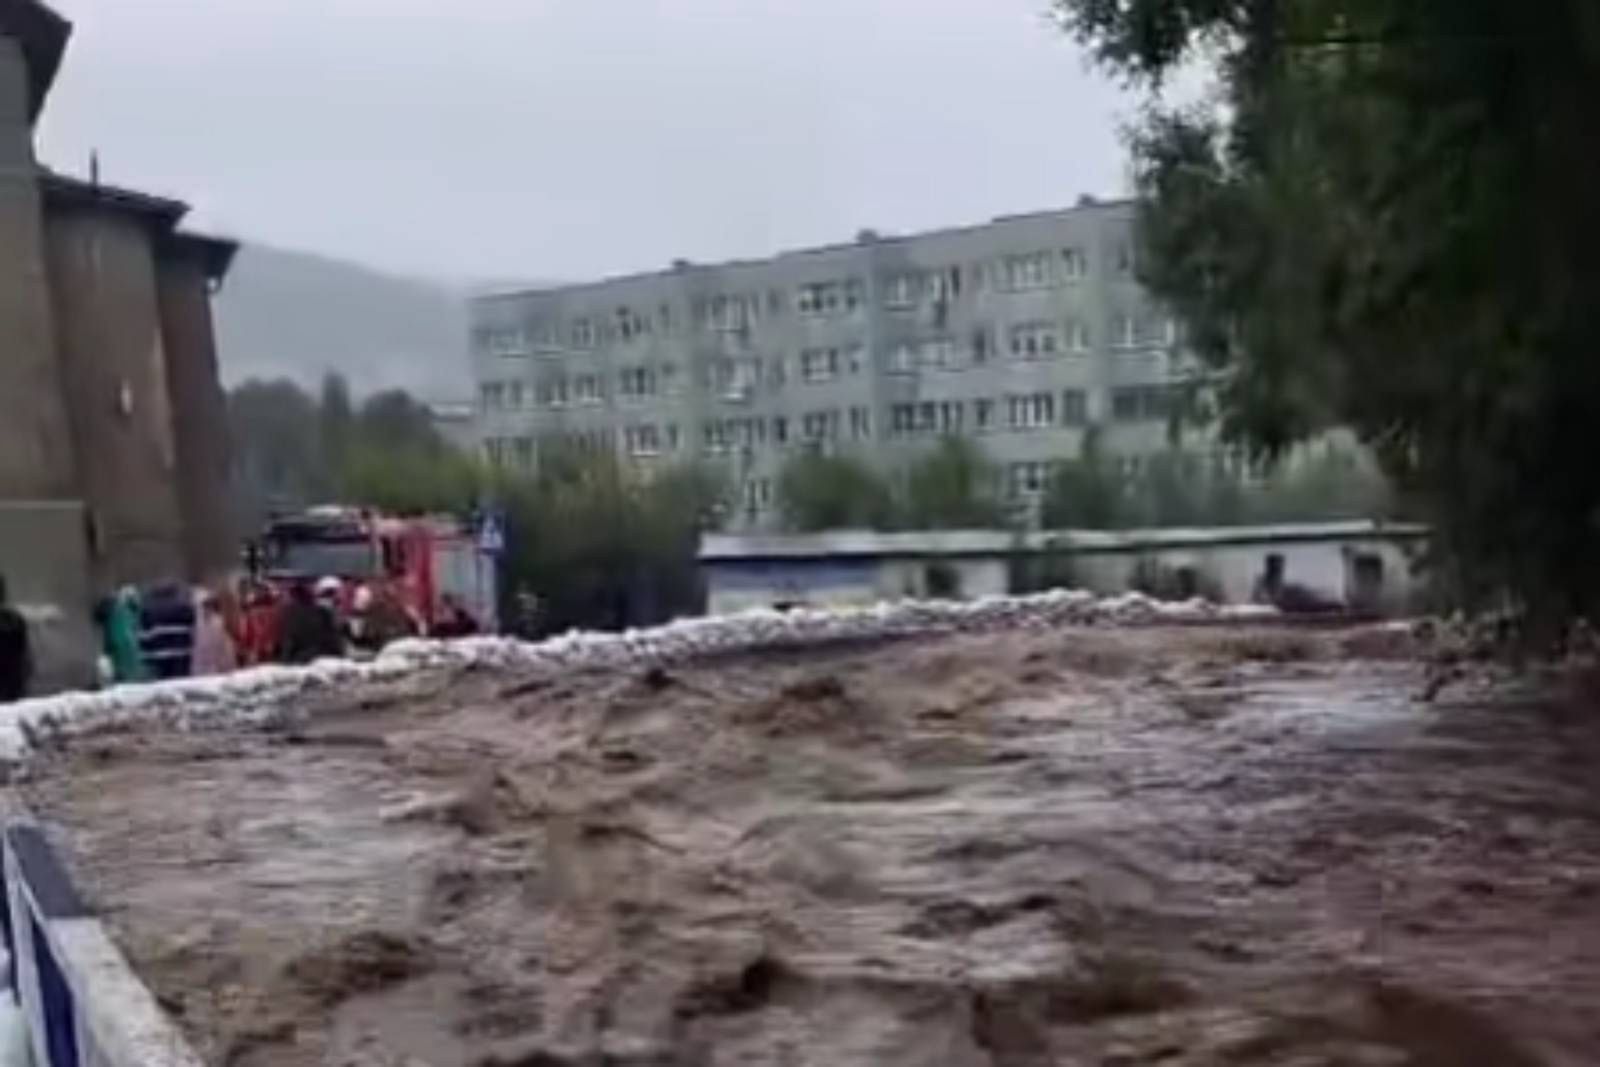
[113, 439]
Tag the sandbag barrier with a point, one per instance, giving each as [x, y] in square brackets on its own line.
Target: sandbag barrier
[259, 696]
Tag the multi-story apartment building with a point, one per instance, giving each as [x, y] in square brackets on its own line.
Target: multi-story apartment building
[1021, 333]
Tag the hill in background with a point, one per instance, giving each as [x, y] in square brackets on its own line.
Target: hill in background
[292, 315]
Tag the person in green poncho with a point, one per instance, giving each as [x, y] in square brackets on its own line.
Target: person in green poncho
[119, 629]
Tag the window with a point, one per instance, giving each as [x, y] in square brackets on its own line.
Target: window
[860, 424]
[819, 364]
[950, 416]
[494, 448]
[1124, 332]
[587, 389]
[669, 378]
[1035, 340]
[664, 318]
[506, 343]
[938, 353]
[638, 382]
[980, 345]
[735, 379]
[1074, 407]
[642, 440]
[514, 396]
[780, 430]
[672, 437]
[1144, 403]
[779, 372]
[1074, 264]
[829, 298]
[757, 493]
[1027, 479]
[583, 334]
[945, 285]
[523, 447]
[983, 414]
[494, 396]
[551, 393]
[1034, 271]
[718, 437]
[820, 426]
[1076, 336]
[731, 313]
[903, 419]
[630, 324]
[1032, 411]
[902, 291]
[1126, 261]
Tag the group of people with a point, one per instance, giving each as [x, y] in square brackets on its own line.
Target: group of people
[168, 630]
[171, 630]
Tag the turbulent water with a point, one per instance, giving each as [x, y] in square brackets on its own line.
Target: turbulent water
[1184, 847]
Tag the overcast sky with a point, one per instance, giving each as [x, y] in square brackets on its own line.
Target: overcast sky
[568, 139]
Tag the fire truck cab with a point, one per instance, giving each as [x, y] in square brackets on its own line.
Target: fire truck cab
[418, 562]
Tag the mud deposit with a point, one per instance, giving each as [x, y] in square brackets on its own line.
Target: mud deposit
[1181, 848]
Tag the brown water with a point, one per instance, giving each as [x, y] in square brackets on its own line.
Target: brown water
[1085, 847]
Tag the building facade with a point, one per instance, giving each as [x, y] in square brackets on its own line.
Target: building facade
[113, 429]
[1021, 334]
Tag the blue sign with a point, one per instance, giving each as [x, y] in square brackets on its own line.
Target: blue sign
[492, 535]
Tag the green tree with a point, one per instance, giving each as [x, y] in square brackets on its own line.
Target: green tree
[955, 487]
[278, 461]
[1387, 222]
[604, 548]
[336, 420]
[822, 492]
[395, 419]
[1086, 492]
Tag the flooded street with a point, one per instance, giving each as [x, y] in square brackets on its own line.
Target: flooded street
[1184, 847]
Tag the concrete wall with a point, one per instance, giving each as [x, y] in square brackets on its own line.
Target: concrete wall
[114, 369]
[43, 554]
[1230, 570]
[36, 454]
[199, 412]
[740, 585]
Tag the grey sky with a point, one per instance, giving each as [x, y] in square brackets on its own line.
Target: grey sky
[568, 139]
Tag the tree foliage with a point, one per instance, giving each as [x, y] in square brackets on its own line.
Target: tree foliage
[603, 547]
[1387, 222]
[954, 487]
[823, 492]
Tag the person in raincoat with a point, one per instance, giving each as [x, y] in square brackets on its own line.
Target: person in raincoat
[213, 647]
[119, 627]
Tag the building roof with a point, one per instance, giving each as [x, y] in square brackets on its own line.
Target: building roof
[838, 544]
[867, 237]
[63, 191]
[43, 36]
[216, 253]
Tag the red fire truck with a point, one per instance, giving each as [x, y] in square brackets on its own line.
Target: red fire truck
[415, 563]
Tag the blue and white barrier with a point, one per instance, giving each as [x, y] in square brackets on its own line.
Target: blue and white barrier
[80, 1001]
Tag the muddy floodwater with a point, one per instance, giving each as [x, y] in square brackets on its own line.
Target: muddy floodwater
[1079, 847]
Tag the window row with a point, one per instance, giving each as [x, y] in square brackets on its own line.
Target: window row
[1022, 411]
[812, 427]
[741, 311]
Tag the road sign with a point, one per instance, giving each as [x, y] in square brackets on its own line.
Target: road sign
[491, 535]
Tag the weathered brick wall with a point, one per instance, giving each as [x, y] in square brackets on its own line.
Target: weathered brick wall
[114, 372]
[36, 456]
